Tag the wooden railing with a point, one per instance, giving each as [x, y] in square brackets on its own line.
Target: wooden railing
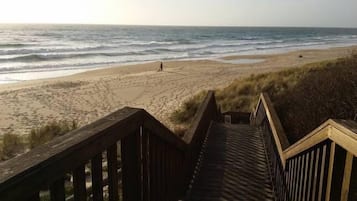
[155, 163]
[320, 166]
[276, 141]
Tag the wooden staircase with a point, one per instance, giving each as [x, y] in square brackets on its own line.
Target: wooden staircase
[233, 165]
[129, 155]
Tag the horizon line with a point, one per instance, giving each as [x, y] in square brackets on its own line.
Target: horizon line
[168, 25]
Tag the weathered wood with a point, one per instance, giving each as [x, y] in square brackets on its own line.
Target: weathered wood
[131, 172]
[43, 165]
[347, 177]
[322, 171]
[97, 177]
[315, 137]
[281, 141]
[305, 180]
[331, 129]
[57, 190]
[298, 173]
[145, 165]
[316, 174]
[345, 138]
[352, 195]
[337, 173]
[46, 164]
[204, 115]
[112, 173]
[330, 170]
[154, 188]
[302, 172]
[310, 176]
[79, 184]
[158, 129]
[35, 197]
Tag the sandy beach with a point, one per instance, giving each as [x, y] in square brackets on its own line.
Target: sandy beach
[91, 95]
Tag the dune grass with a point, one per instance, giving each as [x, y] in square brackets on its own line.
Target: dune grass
[12, 144]
[49, 131]
[304, 97]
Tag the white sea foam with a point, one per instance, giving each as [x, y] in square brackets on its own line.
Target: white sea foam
[34, 52]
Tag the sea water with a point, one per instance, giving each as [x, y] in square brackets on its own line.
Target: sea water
[41, 51]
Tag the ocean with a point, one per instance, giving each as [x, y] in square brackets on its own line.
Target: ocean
[30, 52]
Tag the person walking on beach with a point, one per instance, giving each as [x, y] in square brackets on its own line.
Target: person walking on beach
[161, 67]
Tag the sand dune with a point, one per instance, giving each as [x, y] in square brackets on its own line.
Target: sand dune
[90, 95]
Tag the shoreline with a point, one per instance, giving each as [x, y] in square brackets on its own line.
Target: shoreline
[90, 95]
[19, 77]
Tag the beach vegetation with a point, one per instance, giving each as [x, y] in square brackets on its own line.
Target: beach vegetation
[304, 97]
[10, 146]
[49, 131]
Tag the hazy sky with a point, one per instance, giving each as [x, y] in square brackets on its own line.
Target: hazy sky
[335, 13]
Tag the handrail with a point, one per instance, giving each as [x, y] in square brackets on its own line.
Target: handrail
[342, 132]
[40, 167]
[156, 163]
[199, 120]
[265, 107]
[320, 166]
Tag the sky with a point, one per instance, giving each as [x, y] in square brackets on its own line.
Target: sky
[320, 13]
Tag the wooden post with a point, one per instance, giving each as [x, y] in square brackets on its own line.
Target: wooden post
[35, 197]
[97, 177]
[112, 173]
[57, 190]
[79, 184]
[145, 165]
[347, 177]
[131, 172]
[330, 171]
[322, 173]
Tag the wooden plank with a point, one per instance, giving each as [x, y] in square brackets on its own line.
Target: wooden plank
[160, 169]
[337, 174]
[156, 128]
[79, 184]
[298, 172]
[345, 140]
[316, 175]
[206, 112]
[130, 165]
[45, 164]
[347, 177]
[113, 186]
[145, 165]
[35, 197]
[306, 168]
[302, 171]
[310, 176]
[293, 182]
[57, 191]
[315, 137]
[330, 171]
[337, 132]
[352, 195]
[154, 189]
[322, 171]
[97, 177]
[281, 141]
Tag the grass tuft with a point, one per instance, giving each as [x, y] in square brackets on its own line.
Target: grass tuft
[49, 131]
[12, 144]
